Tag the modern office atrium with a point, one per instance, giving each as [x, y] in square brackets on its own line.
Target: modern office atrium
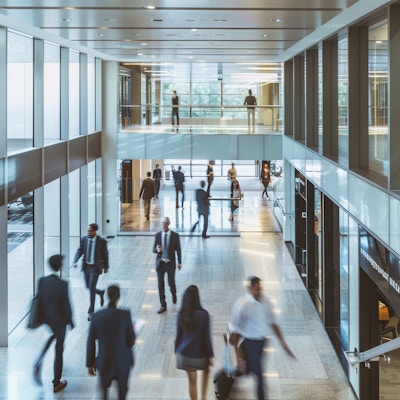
[86, 112]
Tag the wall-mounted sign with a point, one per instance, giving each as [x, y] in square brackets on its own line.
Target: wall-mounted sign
[382, 266]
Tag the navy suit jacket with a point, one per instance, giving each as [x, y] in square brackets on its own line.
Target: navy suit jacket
[100, 253]
[112, 328]
[173, 248]
[54, 301]
[203, 202]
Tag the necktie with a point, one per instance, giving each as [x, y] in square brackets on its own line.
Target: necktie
[165, 247]
[89, 253]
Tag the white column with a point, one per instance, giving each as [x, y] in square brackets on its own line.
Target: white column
[109, 148]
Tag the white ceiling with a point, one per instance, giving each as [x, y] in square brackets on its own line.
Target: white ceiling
[228, 31]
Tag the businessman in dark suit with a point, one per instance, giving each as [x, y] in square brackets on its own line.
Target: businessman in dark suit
[147, 192]
[94, 250]
[112, 328]
[203, 208]
[55, 309]
[166, 245]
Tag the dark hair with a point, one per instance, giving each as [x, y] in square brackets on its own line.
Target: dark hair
[202, 183]
[157, 165]
[190, 303]
[113, 294]
[236, 181]
[149, 174]
[254, 280]
[94, 226]
[55, 262]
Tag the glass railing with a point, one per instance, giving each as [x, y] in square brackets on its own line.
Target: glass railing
[214, 118]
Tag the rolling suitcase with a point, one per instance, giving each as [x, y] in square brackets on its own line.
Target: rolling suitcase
[223, 385]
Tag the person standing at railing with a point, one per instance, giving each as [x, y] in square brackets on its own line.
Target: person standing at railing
[250, 101]
[175, 108]
[210, 176]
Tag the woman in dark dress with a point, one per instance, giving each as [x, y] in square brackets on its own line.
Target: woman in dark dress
[193, 345]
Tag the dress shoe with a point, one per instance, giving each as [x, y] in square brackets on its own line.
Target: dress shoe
[206, 237]
[102, 297]
[59, 387]
[89, 317]
[174, 298]
[162, 309]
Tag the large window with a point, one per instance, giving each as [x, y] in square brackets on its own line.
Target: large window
[378, 60]
[344, 276]
[74, 92]
[343, 100]
[19, 92]
[52, 219]
[91, 94]
[51, 82]
[20, 257]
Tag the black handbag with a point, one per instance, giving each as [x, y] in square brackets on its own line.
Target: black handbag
[35, 314]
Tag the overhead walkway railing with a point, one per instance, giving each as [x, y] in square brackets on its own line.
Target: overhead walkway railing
[372, 355]
[267, 116]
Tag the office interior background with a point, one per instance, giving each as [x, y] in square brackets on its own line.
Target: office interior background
[72, 112]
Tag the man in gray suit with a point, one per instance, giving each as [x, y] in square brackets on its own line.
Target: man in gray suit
[203, 208]
[94, 250]
[112, 328]
[166, 244]
[147, 192]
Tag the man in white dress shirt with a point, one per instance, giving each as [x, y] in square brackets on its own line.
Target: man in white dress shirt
[253, 320]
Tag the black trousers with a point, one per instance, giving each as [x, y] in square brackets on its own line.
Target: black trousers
[122, 379]
[169, 269]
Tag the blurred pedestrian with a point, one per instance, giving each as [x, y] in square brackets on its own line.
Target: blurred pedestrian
[252, 321]
[210, 176]
[236, 197]
[265, 178]
[112, 329]
[203, 209]
[55, 309]
[147, 192]
[251, 102]
[157, 176]
[179, 179]
[193, 347]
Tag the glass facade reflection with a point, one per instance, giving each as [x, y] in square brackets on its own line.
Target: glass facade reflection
[20, 98]
[378, 61]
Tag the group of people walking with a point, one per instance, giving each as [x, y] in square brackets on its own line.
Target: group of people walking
[111, 334]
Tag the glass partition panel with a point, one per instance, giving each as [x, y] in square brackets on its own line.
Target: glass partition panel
[91, 86]
[74, 94]
[52, 220]
[51, 96]
[20, 258]
[344, 276]
[378, 61]
[20, 93]
[343, 101]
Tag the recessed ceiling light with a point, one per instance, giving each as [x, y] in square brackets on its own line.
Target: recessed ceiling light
[264, 35]
[68, 8]
[103, 27]
[150, 7]
[194, 30]
[100, 34]
[277, 20]
[378, 42]
[143, 44]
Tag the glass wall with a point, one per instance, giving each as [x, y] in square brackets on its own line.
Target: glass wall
[344, 276]
[343, 100]
[19, 92]
[378, 61]
[320, 98]
[91, 192]
[51, 83]
[74, 211]
[20, 257]
[91, 94]
[52, 220]
[74, 91]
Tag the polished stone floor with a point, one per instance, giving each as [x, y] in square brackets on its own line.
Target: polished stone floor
[218, 266]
